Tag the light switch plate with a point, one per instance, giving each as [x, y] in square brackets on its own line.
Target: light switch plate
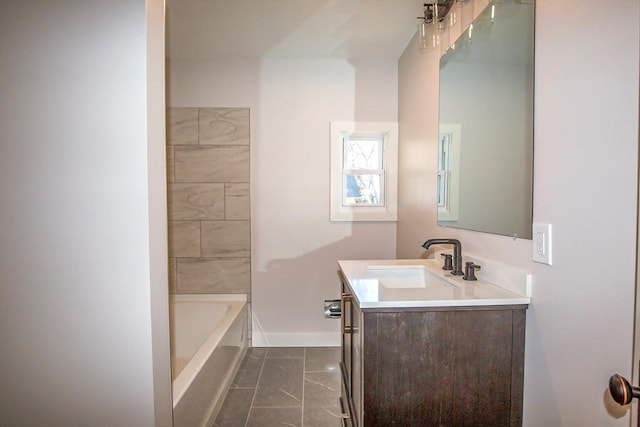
[542, 243]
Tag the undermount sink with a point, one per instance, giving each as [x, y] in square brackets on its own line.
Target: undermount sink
[406, 276]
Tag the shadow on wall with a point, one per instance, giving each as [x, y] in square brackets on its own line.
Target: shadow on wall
[288, 294]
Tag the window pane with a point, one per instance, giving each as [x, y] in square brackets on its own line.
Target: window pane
[362, 153]
[444, 165]
[362, 190]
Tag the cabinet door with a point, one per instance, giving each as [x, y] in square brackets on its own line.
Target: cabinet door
[347, 354]
[346, 419]
[435, 368]
[356, 362]
[347, 357]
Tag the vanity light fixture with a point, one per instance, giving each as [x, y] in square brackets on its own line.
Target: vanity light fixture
[437, 15]
[429, 37]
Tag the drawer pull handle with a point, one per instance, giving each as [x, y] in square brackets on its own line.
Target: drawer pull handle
[346, 329]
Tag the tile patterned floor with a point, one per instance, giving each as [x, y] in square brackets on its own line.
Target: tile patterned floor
[284, 387]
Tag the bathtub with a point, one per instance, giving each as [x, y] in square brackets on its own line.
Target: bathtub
[208, 342]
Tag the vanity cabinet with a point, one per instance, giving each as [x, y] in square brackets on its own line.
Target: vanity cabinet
[431, 366]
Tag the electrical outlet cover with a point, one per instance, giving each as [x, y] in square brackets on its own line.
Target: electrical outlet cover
[542, 243]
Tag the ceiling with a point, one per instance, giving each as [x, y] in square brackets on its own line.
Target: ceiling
[207, 29]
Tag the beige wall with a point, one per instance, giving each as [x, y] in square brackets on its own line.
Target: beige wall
[580, 323]
[83, 271]
[294, 246]
[157, 196]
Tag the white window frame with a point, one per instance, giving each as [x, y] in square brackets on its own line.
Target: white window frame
[448, 197]
[387, 210]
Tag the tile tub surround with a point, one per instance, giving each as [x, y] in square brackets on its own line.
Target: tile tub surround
[208, 176]
[284, 386]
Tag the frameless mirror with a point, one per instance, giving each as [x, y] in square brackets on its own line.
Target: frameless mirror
[486, 124]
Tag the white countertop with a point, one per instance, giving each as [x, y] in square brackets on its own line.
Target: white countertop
[375, 285]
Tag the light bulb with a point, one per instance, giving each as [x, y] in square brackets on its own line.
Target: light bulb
[429, 38]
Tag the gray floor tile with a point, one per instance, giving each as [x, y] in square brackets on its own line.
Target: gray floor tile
[249, 370]
[280, 383]
[285, 352]
[235, 409]
[320, 416]
[321, 359]
[321, 388]
[275, 417]
[321, 406]
[286, 386]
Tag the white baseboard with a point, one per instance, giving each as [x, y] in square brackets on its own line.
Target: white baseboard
[295, 340]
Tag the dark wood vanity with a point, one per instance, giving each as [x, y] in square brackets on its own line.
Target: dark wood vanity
[431, 366]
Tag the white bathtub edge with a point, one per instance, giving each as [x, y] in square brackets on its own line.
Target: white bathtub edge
[227, 383]
[183, 381]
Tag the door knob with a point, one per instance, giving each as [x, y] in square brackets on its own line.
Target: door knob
[621, 391]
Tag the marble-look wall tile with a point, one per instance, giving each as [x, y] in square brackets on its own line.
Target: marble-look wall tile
[223, 126]
[237, 204]
[212, 164]
[170, 164]
[172, 276]
[184, 239]
[196, 201]
[182, 126]
[214, 276]
[226, 239]
[208, 172]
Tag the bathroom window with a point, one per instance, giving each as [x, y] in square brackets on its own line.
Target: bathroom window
[364, 171]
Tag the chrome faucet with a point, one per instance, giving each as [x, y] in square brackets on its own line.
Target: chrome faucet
[457, 252]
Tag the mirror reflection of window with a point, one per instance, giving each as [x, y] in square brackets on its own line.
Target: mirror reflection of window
[448, 191]
[443, 170]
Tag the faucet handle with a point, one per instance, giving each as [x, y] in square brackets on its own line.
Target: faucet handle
[470, 271]
[448, 261]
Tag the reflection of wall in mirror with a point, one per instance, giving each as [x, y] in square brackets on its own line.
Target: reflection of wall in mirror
[492, 96]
